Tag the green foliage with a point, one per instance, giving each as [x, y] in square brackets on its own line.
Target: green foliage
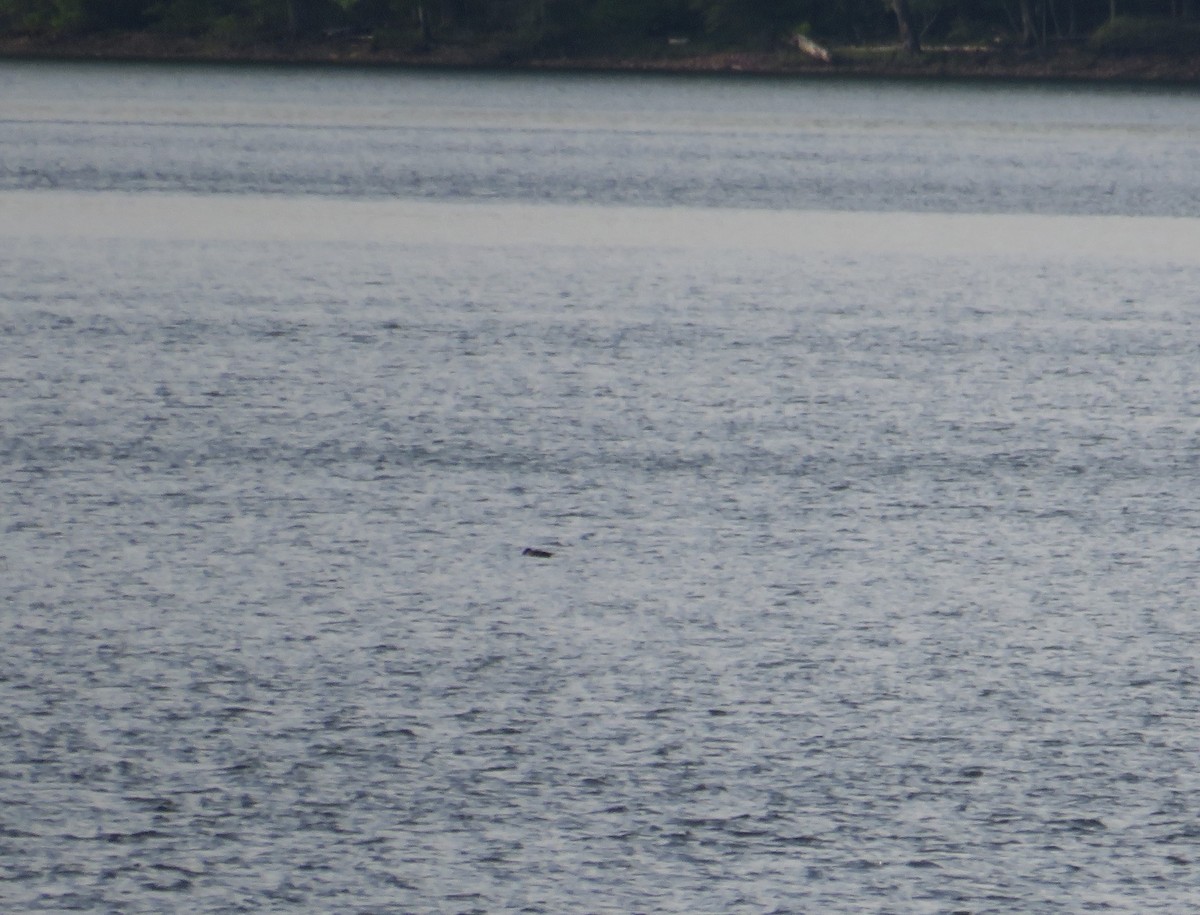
[240, 22]
[71, 16]
[524, 28]
[761, 22]
[966, 31]
[564, 24]
[38, 15]
[1130, 35]
[398, 39]
[191, 17]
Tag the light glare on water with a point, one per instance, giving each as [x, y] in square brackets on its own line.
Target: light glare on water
[874, 541]
[1171, 240]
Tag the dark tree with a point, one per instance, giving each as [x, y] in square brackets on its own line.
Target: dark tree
[910, 40]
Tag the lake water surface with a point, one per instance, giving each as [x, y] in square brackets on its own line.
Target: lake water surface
[862, 421]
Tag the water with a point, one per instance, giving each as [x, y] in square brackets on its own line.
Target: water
[869, 469]
[699, 142]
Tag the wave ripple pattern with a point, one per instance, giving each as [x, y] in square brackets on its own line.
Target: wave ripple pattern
[871, 586]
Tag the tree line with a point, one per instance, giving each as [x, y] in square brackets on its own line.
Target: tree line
[591, 26]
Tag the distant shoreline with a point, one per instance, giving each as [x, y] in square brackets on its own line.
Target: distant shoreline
[1074, 63]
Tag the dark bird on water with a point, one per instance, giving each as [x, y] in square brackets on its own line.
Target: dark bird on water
[536, 554]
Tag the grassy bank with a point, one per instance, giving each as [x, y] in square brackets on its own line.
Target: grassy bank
[1079, 61]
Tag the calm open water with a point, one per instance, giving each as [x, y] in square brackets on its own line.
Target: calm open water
[863, 422]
